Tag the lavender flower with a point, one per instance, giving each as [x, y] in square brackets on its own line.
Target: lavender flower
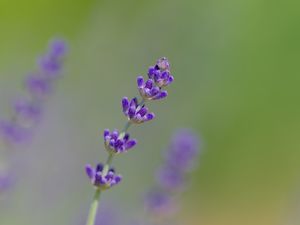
[160, 73]
[183, 150]
[116, 142]
[159, 202]
[5, 181]
[149, 91]
[27, 111]
[136, 113]
[51, 62]
[101, 179]
[13, 133]
[172, 176]
[38, 86]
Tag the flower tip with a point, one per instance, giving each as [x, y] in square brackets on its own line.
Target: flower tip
[58, 47]
[89, 171]
[150, 116]
[125, 103]
[161, 95]
[130, 144]
[140, 81]
[106, 133]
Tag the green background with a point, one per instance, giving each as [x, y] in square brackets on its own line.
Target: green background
[236, 68]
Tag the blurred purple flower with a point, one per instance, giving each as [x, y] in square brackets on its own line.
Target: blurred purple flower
[28, 111]
[159, 202]
[5, 182]
[116, 143]
[38, 86]
[58, 48]
[101, 180]
[50, 64]
[169, 178]
[136, 113]
[172, 176]
[13, 133]
[183, 150]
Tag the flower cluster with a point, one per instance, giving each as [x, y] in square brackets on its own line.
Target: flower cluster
[117, 142]
[159, 76]
[27, 110]
[179, 159]
[136, 113]
[101, 179]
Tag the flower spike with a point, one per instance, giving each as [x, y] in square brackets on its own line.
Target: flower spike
[116, 143]
[101, 180]
[136, 113]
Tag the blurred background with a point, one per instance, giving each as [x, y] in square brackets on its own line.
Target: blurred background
[236, 69]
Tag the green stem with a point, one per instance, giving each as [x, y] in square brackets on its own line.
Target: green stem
[94, 207]
[107, 164]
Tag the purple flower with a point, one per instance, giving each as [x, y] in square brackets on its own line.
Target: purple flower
[116, 142]
[5, 181]
[183, 150]
[136, 113]
[160, 73]
[39, 86]
[101, 180]
[27, 111]
[149, 91]
[159, 202]
[13, 133]
[50, 64]
[170, 178]
[58, 48]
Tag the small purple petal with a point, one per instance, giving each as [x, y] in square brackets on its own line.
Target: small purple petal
[149, 84]
[125, 104]
[58, 48]
[143, 111]
[130, 144]
[131, 112]
[106, 133]
[161, 95]
[89, 171]
[150, 116]
[140, 81]
[99, 167]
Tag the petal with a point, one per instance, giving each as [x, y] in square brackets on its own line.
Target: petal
[99, 167]
[90, 171]
[161, 95]
[143, 111]
[130, 144]
[106, 133]
[150, 116]
[131, 112]
[140, 81]
[149, 84]
[125, 104]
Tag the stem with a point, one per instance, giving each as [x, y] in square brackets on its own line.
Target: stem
[107, 164]
[94, 207]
